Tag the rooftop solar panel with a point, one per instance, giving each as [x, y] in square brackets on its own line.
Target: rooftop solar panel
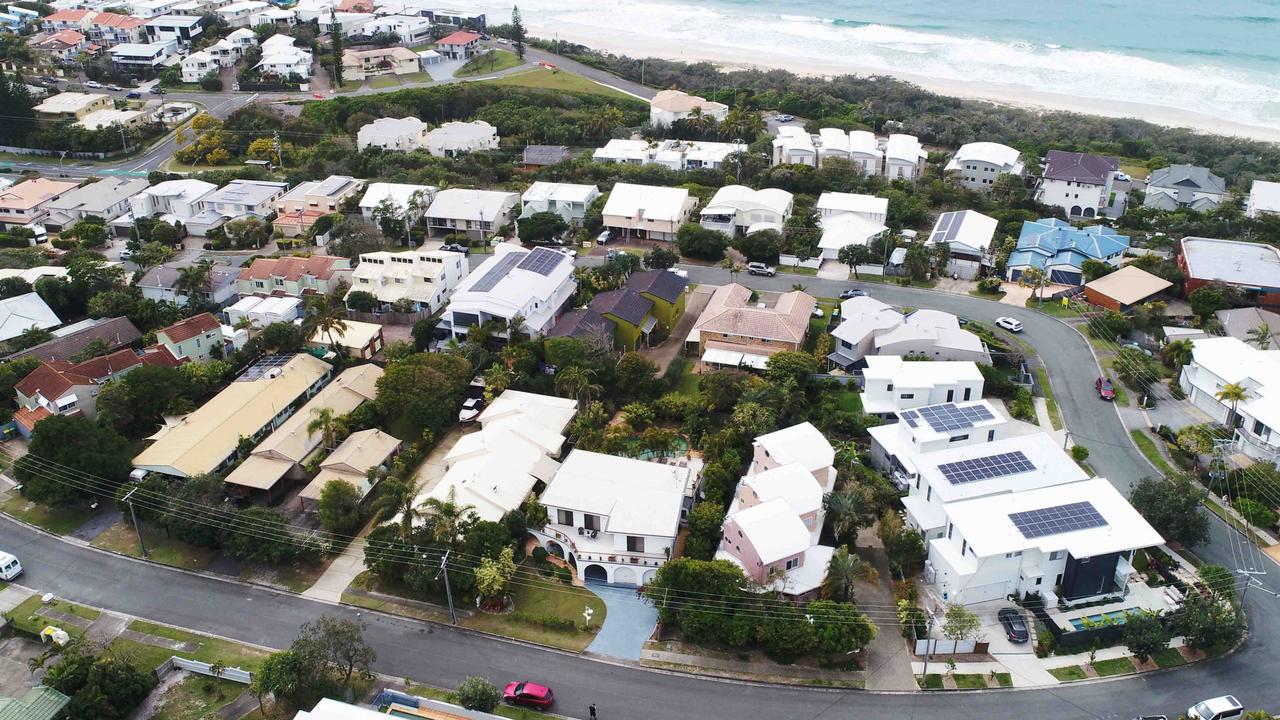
[498, 271]
[1057, 520]
[910, 417]
[542, 261]
[985, 468]
[947, 417]
[264, 365]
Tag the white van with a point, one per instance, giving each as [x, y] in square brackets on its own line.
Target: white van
[1219, 708]
[10, 568]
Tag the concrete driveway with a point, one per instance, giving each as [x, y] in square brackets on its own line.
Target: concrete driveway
[629, 622]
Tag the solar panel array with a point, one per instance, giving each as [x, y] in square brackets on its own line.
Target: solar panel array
[499, 271]
[1057, 520]
[948, 416]
[985, 468]
[542, 261]
[948, 227]
[264, 365]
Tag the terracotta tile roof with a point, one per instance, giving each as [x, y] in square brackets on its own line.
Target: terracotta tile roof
[52, 380]
[461, 37]
[28, 418]
[191, 327]
[300, 218]
[66, 16]
[729, 311]
[66, 37]
[116, 20]
[106, 365]
[159, 356]
[291, 268]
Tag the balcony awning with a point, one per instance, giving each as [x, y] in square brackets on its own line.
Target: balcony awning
[722, 357]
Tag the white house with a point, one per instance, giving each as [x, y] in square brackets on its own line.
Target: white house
[834, 143]
[1264, 197]
[535, 285]
[1086, 186]
[794, 146]
[179, 29]
[870, 327]
[1072, 542]
[568, 200]
[400, 134]
[280, 57]
[177, 198]
[427, 278]
[1008, 465]
[513, 455]
[668, 106]
[674, 154]
[456, 138]
[475, 213]
[242, 198]
[237, 14]
[198, 64]
[978, 164]
[891, 384]
[412, 29]
[232, 47]
[1219, 361]
[615, 519]
[1189, 186]
[408, 202]
[274, 16]
[969, 234]
[144, 56]
[24, 312]
[865, 151]
[895, 446]
[844, 229]
[647, 211]
[737, 209]
[108, 198]
[875, 209]
[904, 157]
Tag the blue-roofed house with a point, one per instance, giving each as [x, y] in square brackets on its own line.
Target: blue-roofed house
[1060, 249]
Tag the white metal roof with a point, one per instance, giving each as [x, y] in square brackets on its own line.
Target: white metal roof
[400, 194]
[23, 312]
[802, 443]
[482, 205]
[1052, 467]
[851, 202]
[792, 482]
[914, 374]
[739, 198]
[964, 228]
[653, 202]
[560, 192]
[1232, 261]
[1264, 196]
[638, 497]
[847, 229]
[774, 529]
[905, 148]
[988, 152]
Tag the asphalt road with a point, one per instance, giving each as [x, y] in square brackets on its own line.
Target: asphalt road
[443, 656]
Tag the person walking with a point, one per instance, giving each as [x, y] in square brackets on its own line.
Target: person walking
[592, 711]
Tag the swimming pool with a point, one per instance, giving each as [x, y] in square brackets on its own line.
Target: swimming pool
[1118, 616]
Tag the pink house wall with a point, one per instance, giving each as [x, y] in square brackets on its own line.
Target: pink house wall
[738, 544]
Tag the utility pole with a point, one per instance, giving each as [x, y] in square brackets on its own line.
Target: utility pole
[928, 647]
[1066, 439]
[128, 499]
[275, 144]
[124, 141]
[641, 71]
[448, 591]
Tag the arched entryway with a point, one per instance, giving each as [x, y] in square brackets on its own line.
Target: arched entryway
[1075, 211]
[573, 562]
[554, 548]
[1088, 212]
[649, 575]
[596, 573]
[624, 576]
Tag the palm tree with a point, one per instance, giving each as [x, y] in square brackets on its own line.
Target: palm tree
[732, 267]
[1177, 353]
[327, 318]
[843, 571]
[515, 328]
[1232, 393]
[445, 517]
[577, 382]
[1260, 337]
[418, 202]
[244, 323]
[193, 280]
[329, 426]
[1035, 278]
[396, 499]
[845, 511]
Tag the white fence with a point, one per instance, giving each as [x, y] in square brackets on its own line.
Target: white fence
[945, 647]
[176, 663]
[876, 270]
[793, 261]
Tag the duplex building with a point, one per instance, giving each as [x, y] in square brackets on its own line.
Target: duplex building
[351, 462]
[144, 57]
[108, 198]
[979, 164]
[895, 446]
[668, 106]
[178, 29]
[869, 207]
[403, 201]
[474, 213]
[1220, 361]
[281, 58]
[458, 138]
[426, 278]
[73, 105]
[1059, 250]
[58, 387]
[256, 403]
[109, 29]
[651, 301]
[235, 200]
[299, 209]
[1184, 186]
[26, 201]
[891, 383]
[870, 327]
[737, 209]
[904, 157]
[794, 146]
[196, 338]
[673, 154]
[568, 200]
[736, 331]
[647, 211]
[237, 14]
[295, 276]
[401, 134]
[1253, 269]
[535, 285]
[1085, 186]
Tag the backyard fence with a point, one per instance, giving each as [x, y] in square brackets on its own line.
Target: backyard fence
[176, 663]
[931, 646]
[389, 318]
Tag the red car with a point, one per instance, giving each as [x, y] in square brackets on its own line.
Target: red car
[1105, 391]
[530, 694]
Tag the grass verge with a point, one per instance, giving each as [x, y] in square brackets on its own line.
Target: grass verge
[996, 296]
[1069, 673]
[546, 79]
[506, 711]
[120, 538]
[1005, 679]
[970, 682]
[32, 616]
[491, 62]
[1114, 666]
[932, 681]
[1055, 417]
[1169, 657]
[209, 649]
[57, 520]
[1147, 446]
[1053, 308]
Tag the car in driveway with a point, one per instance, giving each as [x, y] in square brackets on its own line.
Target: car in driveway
[1009, 324]
[759, 268]
[852, 294]
[454, 247]
[1219, 708]
[784, 118]
[529, 694]
[1015, 626]
[1104, 388]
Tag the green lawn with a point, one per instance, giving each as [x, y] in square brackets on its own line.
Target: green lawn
[689, 381]
[120, 538]
[1054, 308]
[1147, 445]
[1055, 417]
[503, 710]
[1115, 666]
[1066, 674]
[546, 79]
[384, 81]
[893, 280]
[30, 615]
[211, 649]
[1169, 657]
[533, 593]
[932, 681]
[850, 401]
[197, 698]
[970, 682]
[57, 520]
[1005, 679]
[987, 296]
[490, 62]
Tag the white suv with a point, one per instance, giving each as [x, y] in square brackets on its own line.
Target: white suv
[1219, 708]
[759, 268]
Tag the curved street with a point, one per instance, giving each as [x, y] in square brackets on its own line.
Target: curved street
[443, 656]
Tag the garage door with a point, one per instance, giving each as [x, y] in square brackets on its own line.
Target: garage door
[982, 593]
[1209, 404]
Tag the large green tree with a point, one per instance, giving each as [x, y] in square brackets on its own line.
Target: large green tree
[1173, 509]
[70, 458]
[422, 391]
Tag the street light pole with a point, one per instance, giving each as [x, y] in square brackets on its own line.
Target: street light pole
[448, 591]
[128, 499]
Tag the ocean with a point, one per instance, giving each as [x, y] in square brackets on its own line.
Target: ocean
[1220, 59]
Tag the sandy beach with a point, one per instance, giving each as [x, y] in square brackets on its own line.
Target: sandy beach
[624, 43]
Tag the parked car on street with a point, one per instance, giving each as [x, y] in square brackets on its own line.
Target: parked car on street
[759, 268]
[1015, 627]
[157, 90]
[1219, 708]
[133, 95]
[528, 694]
[1009, 324]
[93, 84]
[852, 294]
[126, 254]
[114, 87]
[1104, 388]
[10, 568]
[455, 247]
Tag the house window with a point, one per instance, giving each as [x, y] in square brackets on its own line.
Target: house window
[949, 526]
[591, 522]
[793, 563]
[951, 395]
[966, 393]
[1260, 429]
[888, 389]
[928, 494]
[907, 396]
[635, 544]
[958, 438]
[1057, 555]
[564, 517]
[964, 546]
[991, 435]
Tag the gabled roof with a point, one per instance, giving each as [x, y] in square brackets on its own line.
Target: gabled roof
[792, 482]
[115, 332]
[1052, 241]
[191, 327]
[461, 37]
[294, 268]
[659, 283]
[773, 528]
[1192, 177]
[1078, 167]
[545, 154]
[729, 311]
[624, 303]
[1129, 285]
[23, 312]
[637, 497]
[803, 444]
[581, 323]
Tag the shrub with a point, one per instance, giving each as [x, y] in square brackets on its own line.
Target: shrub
[1255, 512]
[543, 620]
[539, 554]
[989, 286]
[1079, 453]
[477, 693]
